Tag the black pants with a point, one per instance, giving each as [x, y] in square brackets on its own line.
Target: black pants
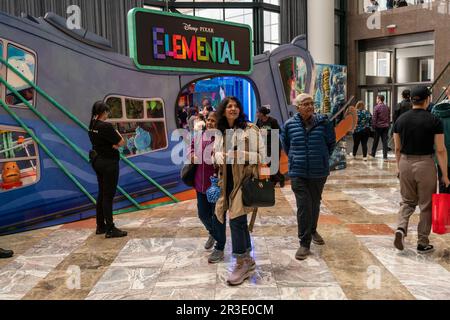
[205, 212]
[308, 194]
[362, 138]
[383, 133]
[278, 177]
[107, 171]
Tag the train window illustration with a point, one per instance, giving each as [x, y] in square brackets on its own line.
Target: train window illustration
[143, 128]
[115, 105]
[134, 108]
[19, 165]
[25, 62]
[294, 73]
[208, 93]
[154, 109]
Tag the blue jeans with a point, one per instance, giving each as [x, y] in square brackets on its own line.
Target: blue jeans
[206, 212]
[240, 236]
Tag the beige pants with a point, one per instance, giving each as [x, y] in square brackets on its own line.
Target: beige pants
[418, 178]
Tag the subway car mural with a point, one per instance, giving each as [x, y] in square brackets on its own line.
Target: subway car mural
[51, 76]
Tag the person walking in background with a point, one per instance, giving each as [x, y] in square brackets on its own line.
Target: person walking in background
[362, 131]
[268, 123]
[390, 4]
[202, 182]
[380, 122]
[404, 106]
[182, 117]
[199, 122]
[192, 117]
[230, 116]
[5, 254]
[418, 135]
[105, 143]
[309, 140]
[206, 107]
[373, 7]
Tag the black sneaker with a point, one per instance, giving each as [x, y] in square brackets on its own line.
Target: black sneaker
[302, 253]
[210, 243]
[100, 230]
[216, 256]
[317, 239]
[4, 254]
[425, 249]
[115, 233]
[399, 241]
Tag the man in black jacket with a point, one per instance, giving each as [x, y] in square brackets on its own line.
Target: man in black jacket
[268, 123]
[403, 106]
[6, 253]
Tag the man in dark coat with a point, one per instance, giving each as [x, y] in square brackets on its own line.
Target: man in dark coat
[309, 140]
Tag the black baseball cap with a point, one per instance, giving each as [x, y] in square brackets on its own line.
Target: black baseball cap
[420, 94]
[264, 110]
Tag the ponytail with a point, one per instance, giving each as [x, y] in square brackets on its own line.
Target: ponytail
[97, 109]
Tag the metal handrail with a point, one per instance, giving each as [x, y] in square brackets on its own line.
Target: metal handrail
[46, 150]
[440, 75]
[443, 94]
[58, 132]
[83, 126]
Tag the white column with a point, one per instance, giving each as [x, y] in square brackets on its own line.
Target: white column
[321, 30]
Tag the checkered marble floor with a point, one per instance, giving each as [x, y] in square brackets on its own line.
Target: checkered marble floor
[163, 256]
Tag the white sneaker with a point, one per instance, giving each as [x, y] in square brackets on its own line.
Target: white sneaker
[365, 159]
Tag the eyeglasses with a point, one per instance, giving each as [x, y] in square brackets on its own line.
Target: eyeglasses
[306, 104]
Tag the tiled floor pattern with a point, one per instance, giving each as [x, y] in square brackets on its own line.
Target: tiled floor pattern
[163, 256]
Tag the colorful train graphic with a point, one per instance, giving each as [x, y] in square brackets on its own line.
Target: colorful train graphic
[49, 78]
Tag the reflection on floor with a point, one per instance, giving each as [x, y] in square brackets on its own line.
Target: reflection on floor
[163, 257]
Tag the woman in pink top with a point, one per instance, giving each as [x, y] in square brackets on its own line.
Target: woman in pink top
[205, 170]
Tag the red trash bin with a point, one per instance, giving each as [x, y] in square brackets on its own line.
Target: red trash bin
[441, 213]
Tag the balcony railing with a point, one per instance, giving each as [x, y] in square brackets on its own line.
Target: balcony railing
[366, 6]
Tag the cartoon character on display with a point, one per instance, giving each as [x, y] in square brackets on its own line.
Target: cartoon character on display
[23, 64]
[337, 93]
[130, 149]
[142, 140]
[10, 176]
[326, 90]
[338, 103]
